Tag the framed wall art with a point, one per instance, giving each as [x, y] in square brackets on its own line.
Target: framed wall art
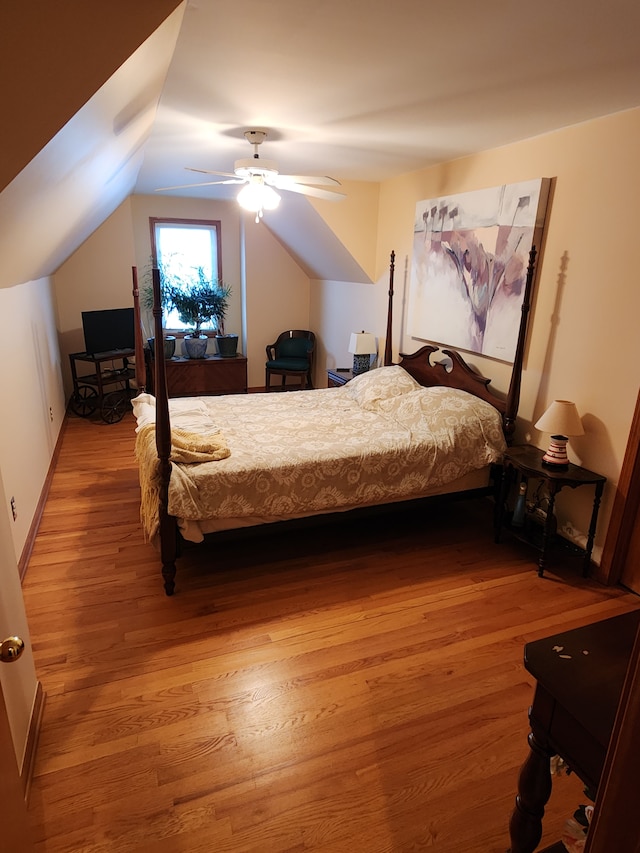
[469, 265]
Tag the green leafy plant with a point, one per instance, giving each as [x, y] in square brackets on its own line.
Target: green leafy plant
[199, 301]
[146, 291]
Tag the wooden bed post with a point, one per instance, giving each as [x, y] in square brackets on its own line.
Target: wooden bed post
[168, 533]
[513, 397]
[141, 372]
[388, 349]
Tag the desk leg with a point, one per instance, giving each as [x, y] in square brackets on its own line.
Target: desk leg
[546, 533]
[592, 530]
[534, 790]
[498, 516]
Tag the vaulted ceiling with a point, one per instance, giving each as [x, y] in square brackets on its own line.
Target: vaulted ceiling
[102, 102]
[367, 90]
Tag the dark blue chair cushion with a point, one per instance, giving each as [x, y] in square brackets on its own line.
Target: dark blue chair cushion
[288, 364]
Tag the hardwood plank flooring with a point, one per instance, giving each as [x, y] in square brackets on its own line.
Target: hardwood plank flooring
[356, 687]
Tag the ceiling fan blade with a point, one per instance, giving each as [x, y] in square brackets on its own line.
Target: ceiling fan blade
[316, 192]
[318, 180]
[212, 172]
[204, 184]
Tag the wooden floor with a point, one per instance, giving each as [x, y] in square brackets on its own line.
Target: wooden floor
[353, 688]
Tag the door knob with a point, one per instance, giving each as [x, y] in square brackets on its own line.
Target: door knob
[11, 649]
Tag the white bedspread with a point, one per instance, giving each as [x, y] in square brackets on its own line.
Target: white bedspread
[382, 437]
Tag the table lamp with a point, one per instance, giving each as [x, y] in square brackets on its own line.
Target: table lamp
[561, 420]
[363, 346]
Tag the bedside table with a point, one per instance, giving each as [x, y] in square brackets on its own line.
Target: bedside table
[524, 462]
[338, 376]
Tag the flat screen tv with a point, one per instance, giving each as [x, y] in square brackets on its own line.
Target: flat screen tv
[112, 329]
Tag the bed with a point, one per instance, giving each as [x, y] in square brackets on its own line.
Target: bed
[429, 425]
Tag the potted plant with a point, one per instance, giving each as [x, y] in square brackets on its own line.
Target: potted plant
[146, 303]
[198, 301]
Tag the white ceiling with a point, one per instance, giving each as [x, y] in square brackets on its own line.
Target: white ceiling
[369, 90]
[357, 90]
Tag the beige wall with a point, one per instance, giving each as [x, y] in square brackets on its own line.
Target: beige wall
[276, 298]
[583, 343]
[31, 387]
[96, 276]
[34, 404]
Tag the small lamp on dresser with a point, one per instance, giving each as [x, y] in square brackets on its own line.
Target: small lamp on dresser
[362, 345]
[561, 420]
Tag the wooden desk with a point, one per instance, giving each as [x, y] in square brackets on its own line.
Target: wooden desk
[193, 377]
[579, 677]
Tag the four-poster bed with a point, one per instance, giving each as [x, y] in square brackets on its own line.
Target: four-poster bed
[271, 457]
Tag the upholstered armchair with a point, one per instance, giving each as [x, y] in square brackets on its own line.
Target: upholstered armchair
[291, 354]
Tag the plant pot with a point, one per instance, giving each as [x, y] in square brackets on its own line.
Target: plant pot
[195, 347]
[227, 345]
[169, 346]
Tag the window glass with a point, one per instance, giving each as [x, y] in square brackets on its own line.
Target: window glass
[180, 247]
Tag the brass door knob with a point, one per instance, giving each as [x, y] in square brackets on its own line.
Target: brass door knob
[11, 649]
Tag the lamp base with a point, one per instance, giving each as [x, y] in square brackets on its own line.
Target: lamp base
[556, 455]
[361, 363]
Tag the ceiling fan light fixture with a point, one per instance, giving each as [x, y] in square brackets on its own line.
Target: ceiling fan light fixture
[256, 197]
[247, 167]
[261, 176]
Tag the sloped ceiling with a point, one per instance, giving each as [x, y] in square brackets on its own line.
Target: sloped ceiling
[362, 91]
[367, 90]
[312, 244]
[87, 169]
[54, 57]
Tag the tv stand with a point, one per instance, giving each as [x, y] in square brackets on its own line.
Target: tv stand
[90, 389]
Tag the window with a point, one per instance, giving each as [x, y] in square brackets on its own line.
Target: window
[183, 246]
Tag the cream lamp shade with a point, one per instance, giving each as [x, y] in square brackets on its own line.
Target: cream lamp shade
[560, 420]
[362, 345]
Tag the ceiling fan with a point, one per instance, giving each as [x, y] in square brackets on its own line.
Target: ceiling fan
[261, 179]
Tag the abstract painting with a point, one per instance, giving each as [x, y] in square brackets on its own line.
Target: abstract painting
[469, 266]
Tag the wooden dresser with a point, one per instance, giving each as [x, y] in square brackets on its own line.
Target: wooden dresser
[187, 377]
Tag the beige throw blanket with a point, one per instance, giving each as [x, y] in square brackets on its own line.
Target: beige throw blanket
[186, 448]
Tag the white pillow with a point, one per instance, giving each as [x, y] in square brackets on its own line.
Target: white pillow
[381, 383]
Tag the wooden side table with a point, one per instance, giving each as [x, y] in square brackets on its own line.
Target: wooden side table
[525, 461]
[338, 376]
[579, 676]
